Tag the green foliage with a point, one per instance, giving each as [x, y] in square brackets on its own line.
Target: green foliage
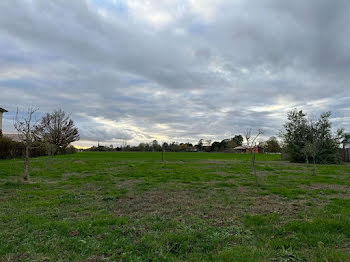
[12, 149]
[307, 139]
[226, 145]
[272, 145]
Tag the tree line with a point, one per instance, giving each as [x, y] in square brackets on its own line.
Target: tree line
[303, 140]
[271, 145]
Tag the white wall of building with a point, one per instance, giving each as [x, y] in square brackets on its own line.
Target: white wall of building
[0, 120]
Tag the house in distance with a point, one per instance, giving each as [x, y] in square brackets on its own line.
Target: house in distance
[245, 149]
[1, 112]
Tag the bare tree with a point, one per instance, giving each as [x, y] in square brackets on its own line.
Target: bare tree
[124, 143]
[57, 129]
[251, 144]
[26, 132]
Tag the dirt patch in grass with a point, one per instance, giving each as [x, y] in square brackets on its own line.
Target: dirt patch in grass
[96, 258]
[211, 205]
[328, 186]
[224, 174]
[228, 161]
[178, 205]
[79, 162]
[275, 204]
[128, 183]
[66, 175]
[157, 202]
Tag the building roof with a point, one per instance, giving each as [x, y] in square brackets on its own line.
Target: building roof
[240, 148]
[245, 147]
[3, 110]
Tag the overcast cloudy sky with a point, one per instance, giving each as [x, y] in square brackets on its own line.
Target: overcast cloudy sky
[175, 70]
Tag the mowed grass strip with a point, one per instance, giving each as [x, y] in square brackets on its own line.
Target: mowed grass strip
[123, 206]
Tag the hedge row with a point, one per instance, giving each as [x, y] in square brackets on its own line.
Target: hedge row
[12, 149]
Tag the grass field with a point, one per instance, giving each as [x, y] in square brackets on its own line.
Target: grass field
[192, 207]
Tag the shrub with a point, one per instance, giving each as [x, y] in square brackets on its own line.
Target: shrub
[10, 148]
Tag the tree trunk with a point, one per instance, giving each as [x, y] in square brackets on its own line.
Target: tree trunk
[256, 178]
[162, 154]
[314, 166]
[26, 165]
[253, 166]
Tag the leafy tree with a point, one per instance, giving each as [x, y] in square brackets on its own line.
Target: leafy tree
[165, 146]
[295, 135]
[237, 140]
[200, 145]
[155, 146]
[215, 146]
[327, 142]
[306, 138]
[272, 145]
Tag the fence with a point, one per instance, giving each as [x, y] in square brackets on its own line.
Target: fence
[346, 154]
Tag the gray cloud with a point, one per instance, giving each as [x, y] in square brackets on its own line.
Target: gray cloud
[176, 72]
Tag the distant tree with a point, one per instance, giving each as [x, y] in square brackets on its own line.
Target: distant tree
[58, 129]
[141, 147]
[272, 145]
[208, 142]
[224, 144]
[174, 147]
[343, 136]
[237, 140]
[200, 145]
[26, 128]
[215, 146]
[165, 146]
[251, 144]
[124, 143]
[155, 146]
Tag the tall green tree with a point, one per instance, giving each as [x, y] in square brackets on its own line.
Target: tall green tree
[307, 138]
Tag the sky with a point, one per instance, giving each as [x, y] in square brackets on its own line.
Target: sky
[171, 70]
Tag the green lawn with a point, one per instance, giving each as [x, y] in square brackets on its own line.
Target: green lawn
[193, 207]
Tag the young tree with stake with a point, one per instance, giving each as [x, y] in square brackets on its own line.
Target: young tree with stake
[251, 144]
[26, 132]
